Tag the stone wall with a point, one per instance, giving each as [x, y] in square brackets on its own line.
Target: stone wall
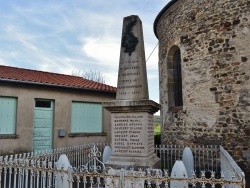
[214, 39]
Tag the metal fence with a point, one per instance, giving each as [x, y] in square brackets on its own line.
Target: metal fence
[213, 167]
[38, 169]
[206, 158]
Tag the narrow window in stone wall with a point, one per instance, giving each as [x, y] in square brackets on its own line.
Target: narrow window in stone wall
[177, 79]
[174, 79]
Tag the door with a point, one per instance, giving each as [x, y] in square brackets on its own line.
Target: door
[43, 125]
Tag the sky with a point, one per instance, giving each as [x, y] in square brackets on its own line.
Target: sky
[66, 36]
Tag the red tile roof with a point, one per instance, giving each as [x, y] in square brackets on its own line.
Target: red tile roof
[47, 78]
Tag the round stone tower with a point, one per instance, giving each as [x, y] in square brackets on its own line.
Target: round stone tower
[204, 69]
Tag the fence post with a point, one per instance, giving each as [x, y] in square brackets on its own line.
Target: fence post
[230, 169]
[1, 163]
[61, 176]
[122, 173]
[188, 160]
[70, 177]
[178, 171]
[106, 154]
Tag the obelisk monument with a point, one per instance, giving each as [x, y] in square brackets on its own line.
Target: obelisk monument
[132, 111]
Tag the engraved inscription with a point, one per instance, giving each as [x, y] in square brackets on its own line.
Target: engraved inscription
[131, 136]
[129, 75]
[150, 133]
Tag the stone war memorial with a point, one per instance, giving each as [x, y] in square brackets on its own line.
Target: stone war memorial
[132, 111]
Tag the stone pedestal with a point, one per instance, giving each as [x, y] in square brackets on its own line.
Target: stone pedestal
[132, 133]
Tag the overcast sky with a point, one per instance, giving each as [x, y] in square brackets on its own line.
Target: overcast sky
[63, 36]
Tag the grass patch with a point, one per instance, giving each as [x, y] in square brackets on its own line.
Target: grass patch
[157, 129]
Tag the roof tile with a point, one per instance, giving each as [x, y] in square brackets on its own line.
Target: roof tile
[34, 76]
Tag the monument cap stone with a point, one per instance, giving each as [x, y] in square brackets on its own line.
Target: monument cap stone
[132, 76]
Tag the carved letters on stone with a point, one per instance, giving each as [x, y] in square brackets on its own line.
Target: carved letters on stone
[129, 41]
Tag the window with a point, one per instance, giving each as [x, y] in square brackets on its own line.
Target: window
[43, 104]
[177, 79]
[8, 106]
[174, 78]
[86, 117]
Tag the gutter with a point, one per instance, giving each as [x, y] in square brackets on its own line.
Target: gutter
[54, 85]
[161, 13]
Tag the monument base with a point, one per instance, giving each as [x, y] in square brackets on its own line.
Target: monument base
[117, 162]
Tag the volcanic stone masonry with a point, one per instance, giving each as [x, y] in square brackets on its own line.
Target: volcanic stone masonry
[214, 40]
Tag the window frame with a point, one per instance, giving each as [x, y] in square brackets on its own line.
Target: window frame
[14, 122]
[178, 97]
[174, 79]
[88, 131]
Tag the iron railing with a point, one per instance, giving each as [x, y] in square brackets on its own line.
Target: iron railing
[38, 169]
[213, 167]
[206, 158]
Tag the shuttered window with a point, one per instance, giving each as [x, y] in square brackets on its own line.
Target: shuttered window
[86, 117]
[8, 106]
